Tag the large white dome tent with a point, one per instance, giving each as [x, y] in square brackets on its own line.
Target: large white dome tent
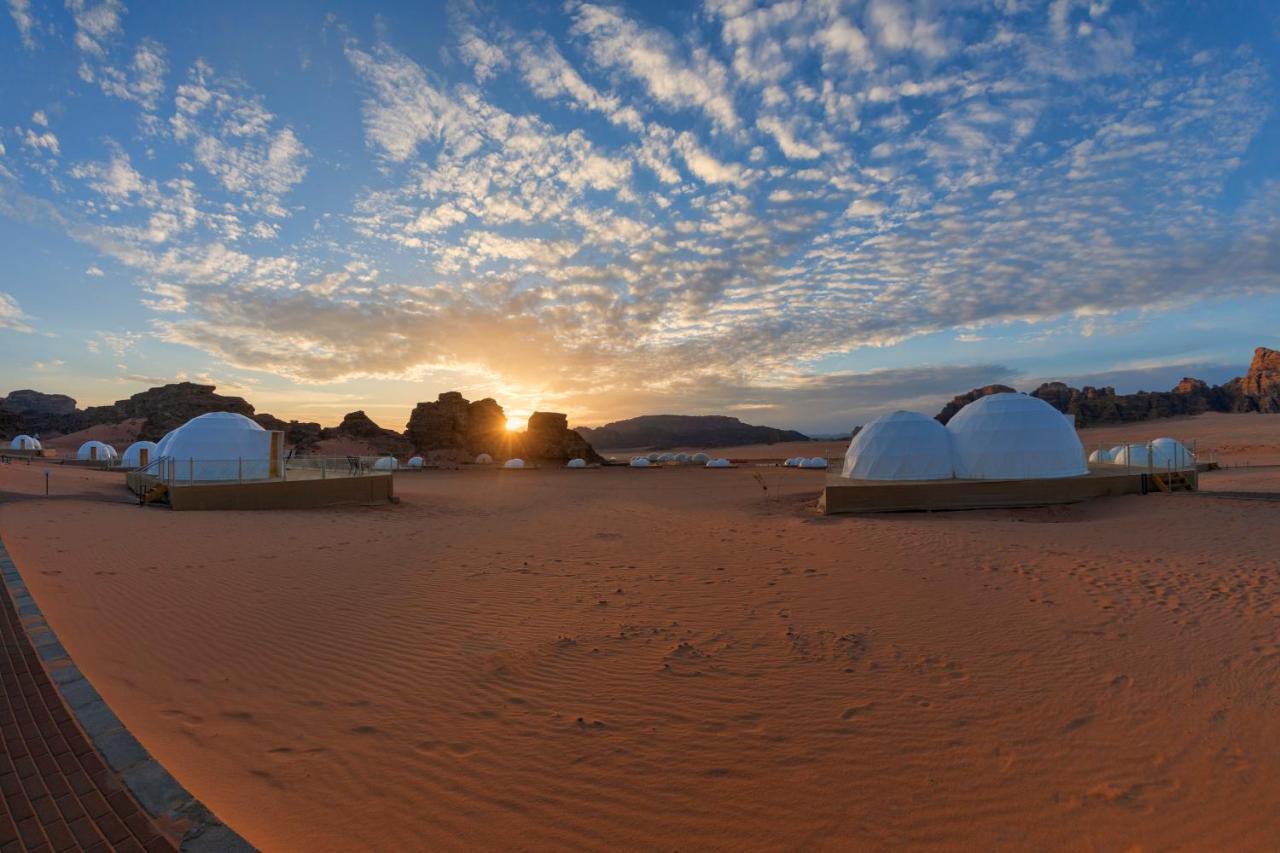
[96, 451]
[1100, 455]
[386, 463]
[1013, 436]
[24, 442]
[1171, 453]
[900, 446]
[139, 454]
[222, 446]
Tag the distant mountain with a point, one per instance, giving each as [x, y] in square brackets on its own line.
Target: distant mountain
[1257, 391]
[655, 432]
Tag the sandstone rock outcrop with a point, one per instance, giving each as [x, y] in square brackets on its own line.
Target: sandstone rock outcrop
[28, 402]
[961, 400]
[360, 426]
[1257, 391]
[548, 437]
[300, 436]
[452, 423]
[166, 407]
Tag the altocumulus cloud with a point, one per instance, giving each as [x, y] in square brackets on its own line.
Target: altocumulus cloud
[586, 197]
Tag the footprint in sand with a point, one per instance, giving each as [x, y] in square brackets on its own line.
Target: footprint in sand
[242, 716]
[858, 710]
[366, 730]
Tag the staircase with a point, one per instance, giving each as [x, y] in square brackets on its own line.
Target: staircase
[1174, 481]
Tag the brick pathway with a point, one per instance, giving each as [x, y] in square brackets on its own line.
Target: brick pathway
[58, 794]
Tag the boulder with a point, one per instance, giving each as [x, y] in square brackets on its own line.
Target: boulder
[1259, 389]
[548, 437]
[357, 425]
[452, 423]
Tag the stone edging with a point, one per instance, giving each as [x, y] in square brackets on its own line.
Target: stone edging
[151, 785]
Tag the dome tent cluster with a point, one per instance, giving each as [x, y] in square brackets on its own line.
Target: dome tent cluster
[1005, 436]
[25, 442]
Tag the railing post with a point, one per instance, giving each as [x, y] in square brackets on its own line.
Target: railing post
[324, 467]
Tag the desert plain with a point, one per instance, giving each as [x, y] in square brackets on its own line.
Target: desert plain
[690, 659]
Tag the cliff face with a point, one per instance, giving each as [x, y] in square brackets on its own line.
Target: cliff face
[1257, 391]
[453, 424]
[662, 431]
[166, 407]
[549, 437]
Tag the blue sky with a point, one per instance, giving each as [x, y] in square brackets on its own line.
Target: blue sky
[802, 213]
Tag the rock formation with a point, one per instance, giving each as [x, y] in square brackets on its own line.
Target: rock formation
[454, 425]
[961, 400]
[549, 437]
[360, 426]
[300, 436]
[655, 432]
[28, 402]
[1257, 391]
[165, 408]
[454, 428]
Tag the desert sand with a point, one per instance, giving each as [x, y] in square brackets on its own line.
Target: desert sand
[680, 659]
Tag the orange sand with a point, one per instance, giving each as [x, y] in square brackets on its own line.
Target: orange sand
[673, 659]
[119, 436]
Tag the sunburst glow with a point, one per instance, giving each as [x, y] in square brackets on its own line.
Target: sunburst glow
[515, 424]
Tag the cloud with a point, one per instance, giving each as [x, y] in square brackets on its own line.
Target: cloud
[95, 23]
[237, 140]
[142, 81]
[20, 11]
[651, 57]
[11, 316]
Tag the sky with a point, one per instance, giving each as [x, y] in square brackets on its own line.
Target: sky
[799, 213]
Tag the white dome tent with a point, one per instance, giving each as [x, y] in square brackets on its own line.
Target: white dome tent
[1101, 455]
[386, 463]
[96, 451]
[1014, 437]
[700, 458]
[813, 462]
[1133, 455]
[654, 457]
[640, 462]
[24, 442]
[719, 463]
[682, 458]
[416, 462]
[222, 446]
[576, 463]
[1170, 453]
[484, 459]
[139, 454]
[900, 446]
[792, 462]
[513, 463]
[667, 457]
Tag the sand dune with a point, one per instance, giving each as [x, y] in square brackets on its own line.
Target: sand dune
[679, 660]
[119, 435]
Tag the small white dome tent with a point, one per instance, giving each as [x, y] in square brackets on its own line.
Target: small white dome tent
[484, 459]
[682, 458]
[1170, 453]
[139, 454]
[96, 451]
[719, 463]
[900, 446]
[1133, 455]
[1115, 452]
[700, 458]
[576, 463]
[416, 462]
[221, 446]
[386, 463]
[654, 457]
[1014, 437]
[667, 457]
[1101, 455]
[640, 462]
[24, 442]
[813, 462]
[513, 463]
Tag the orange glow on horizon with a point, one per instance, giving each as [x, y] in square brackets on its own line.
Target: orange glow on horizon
[515, 424]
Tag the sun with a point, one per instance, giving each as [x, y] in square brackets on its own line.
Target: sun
[515, 424]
